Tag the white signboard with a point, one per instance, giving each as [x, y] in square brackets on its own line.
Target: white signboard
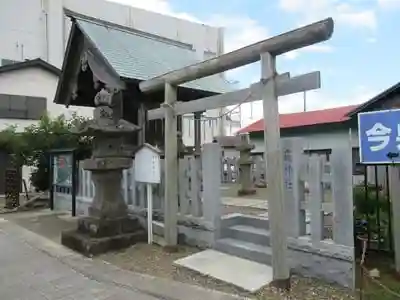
[148, 170]
[147, 165]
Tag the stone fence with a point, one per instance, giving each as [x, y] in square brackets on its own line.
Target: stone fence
[317, 252]
[330, 192]
[199, 196]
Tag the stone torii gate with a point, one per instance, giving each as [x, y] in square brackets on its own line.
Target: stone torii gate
[268, 89]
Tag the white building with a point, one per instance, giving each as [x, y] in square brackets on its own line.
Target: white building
[319, 130]
[27, 91]
[31, 29]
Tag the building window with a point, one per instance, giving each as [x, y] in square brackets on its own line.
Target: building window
[22, 107]
[321, 152]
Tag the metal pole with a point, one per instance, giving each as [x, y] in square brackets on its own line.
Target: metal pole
[149, 214]
[74, 182]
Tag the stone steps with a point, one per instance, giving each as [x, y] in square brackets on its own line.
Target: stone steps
[249, 234]
[246, 237]
[243, 273]
[241, 256]
[246, 250]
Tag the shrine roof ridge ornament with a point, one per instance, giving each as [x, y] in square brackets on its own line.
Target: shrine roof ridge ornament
[289, 41]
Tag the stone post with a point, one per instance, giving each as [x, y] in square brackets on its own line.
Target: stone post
[212, 205]
[342, 194]
[171, 170]
[294, 186]
[245, 163]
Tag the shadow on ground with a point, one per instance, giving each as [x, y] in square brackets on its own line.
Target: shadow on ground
[152, 260]
[45, 223]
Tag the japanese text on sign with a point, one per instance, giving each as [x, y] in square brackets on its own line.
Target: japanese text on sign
[288, 171]
[379, 134]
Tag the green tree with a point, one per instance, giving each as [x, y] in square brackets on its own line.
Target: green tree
[31, 147]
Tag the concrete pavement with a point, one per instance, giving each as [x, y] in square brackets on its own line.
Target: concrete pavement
[35, 268]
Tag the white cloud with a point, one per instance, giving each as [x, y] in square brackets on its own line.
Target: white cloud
[320, 48]
[356, 18]
[320, 99]
[240, 31]
[389, 4]
[344, 13]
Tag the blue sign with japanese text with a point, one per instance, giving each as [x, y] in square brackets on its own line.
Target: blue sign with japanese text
[379, 136]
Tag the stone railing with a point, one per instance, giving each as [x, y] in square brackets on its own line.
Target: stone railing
[329, 205]
[199, 201]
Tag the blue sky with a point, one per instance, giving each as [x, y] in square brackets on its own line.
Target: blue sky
[358, 62]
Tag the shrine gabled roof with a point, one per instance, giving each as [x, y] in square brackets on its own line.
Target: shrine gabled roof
[141, 56]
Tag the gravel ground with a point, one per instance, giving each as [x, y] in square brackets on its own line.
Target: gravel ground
[154, 261]
[231, 190]
[230, 209]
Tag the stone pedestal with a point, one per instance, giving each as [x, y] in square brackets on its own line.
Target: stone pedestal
[245, 163]
[96, 236]
[108, 226]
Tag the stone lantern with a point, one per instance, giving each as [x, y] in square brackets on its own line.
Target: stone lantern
[245, 164]
[107, 226]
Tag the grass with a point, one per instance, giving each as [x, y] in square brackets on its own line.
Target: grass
[378, 289]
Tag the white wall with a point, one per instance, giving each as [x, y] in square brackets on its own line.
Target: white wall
[318, 141]
[35, 82]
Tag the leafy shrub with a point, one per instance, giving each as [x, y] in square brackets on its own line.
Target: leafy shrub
[368, 202]
[32, 146]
